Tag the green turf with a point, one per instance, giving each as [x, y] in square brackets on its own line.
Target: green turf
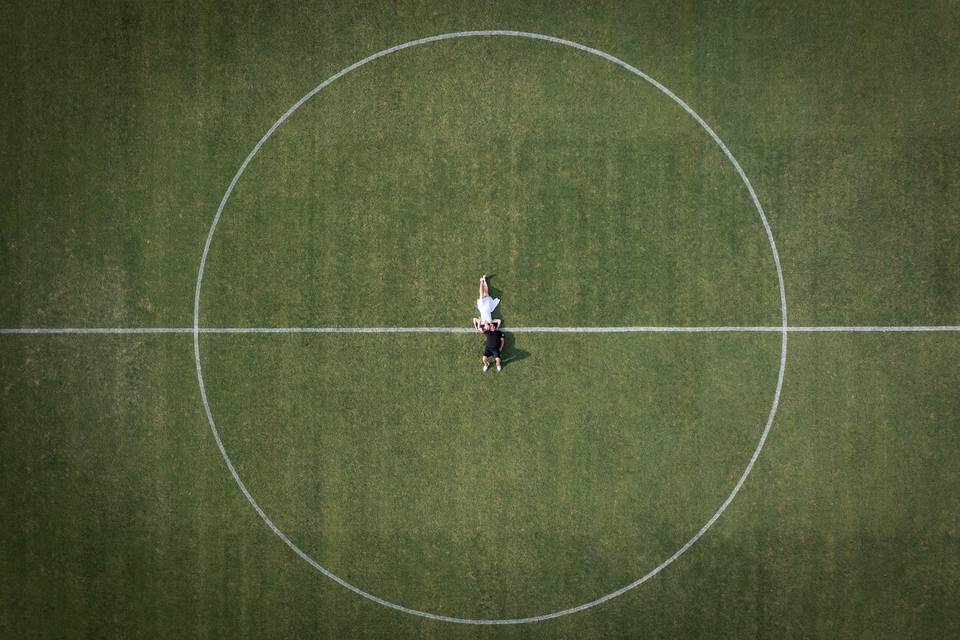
[373, 206]
[432, 484]
[594, 200]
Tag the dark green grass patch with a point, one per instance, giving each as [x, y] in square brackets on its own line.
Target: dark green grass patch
[382, 200]
[121, 519]
[400, 466]
[121, 126]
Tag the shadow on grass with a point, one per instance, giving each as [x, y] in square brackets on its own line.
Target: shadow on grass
[511, 353]
[495, 293]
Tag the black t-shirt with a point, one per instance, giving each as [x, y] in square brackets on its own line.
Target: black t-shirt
[493, 339]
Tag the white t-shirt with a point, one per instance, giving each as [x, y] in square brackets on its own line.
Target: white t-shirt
[486, 305]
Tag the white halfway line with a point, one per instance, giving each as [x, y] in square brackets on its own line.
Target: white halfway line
[638, 329]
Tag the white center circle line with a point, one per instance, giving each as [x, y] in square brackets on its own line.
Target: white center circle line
[782, 329]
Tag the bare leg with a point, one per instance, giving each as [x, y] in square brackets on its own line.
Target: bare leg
[498, 363]
[484, 289]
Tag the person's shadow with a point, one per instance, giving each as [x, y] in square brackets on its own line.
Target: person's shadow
[495, 293]
[510, 353]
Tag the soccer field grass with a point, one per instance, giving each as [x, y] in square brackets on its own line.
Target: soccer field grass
[389, 459]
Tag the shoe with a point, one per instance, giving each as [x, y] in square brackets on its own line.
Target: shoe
[485, 367]
[499, 367]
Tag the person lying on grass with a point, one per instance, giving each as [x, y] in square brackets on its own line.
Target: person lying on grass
[494, 345]
[485, 304]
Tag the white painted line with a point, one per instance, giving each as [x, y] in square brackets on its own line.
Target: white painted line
[98, 330]
[338, 330]
[578, 330]
[877, 329]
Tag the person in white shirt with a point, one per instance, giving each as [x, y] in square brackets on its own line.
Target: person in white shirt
[485, 304]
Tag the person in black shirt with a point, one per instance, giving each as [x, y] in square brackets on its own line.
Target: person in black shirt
[494, 344]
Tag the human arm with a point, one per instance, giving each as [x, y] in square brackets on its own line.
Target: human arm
[503, 341]
[496, 324]
[476, 324]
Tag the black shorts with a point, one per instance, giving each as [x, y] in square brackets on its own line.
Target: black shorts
[491, 353]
